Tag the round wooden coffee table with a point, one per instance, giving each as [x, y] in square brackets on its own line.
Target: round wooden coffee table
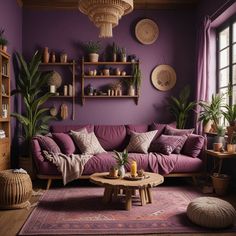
[114, 186]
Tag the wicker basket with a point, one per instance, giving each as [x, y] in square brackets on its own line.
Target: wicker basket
[16, 190]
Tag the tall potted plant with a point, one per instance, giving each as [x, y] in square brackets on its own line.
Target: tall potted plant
[180, 107]
[134, 81]
[30, 83]
[93, 49]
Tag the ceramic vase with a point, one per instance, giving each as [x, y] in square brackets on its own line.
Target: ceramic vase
[122, 171]
[46, 55]
[131, 91]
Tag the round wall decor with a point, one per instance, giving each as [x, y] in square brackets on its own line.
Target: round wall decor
[146, 31]
[163, 77]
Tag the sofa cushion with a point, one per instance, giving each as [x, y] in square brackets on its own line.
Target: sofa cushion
[166, 144]
[111, 137]
[67, 128]
[48, 144]
[159, 127]
[87, 142]
[65, 142]
[136, 128]
[193, 145]
[140, 142]
[173, 131]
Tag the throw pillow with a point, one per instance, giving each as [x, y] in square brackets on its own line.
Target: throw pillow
[87, 142]
[173, 131]
[65, 143]
[166, 144]
[193, 145]
[140, 142]
[181, 142]
[48, 144]
[159, 127]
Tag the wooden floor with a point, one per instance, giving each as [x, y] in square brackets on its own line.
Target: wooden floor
[11, 221]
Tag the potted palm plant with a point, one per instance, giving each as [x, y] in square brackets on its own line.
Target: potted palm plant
[211, 111]
[180, 107]
[30, 83]
[93, 49]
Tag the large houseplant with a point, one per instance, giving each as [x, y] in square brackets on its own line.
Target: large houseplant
[211, 111]
[180, 107]
[30, 83]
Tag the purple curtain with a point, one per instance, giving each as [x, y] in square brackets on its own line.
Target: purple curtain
[202, 69]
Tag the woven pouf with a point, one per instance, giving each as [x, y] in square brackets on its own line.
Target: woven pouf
[16, 190]
[211, 212]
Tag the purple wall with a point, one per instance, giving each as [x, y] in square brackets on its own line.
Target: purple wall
[11, 21]
[175, 46]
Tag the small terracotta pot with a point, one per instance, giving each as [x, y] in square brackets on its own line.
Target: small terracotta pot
[217, 146]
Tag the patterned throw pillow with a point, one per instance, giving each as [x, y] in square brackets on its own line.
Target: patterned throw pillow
[181, 142]
[166, 144]
[140, 142]
[47, 144]
[87, 142]
[172, 131]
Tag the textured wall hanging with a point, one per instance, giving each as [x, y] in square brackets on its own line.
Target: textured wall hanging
[163, 77]
[146, 31]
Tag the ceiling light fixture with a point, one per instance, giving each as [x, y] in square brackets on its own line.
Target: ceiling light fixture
[105, 14]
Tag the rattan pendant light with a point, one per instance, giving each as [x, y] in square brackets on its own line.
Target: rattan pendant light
[105, 14]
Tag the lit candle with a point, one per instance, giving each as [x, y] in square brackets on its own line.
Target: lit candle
[134, 169]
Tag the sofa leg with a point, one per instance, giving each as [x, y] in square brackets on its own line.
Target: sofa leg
[194, 180]
[49, 183]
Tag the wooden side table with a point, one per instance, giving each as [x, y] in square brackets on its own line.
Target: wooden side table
[219, 157]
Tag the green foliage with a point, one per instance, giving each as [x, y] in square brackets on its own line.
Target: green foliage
[122, 158]
[230, 113]
[211, 111]
[220, 131]
[180, 107]
[115, 48]
[136, 78]
[123, 51]
[3, 40]
[30, 82]
[92, 47]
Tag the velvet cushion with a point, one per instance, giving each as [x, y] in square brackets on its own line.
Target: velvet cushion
[111, 137]
[193, 145]
[67, 128]
[159, 127]
[173, 131]
[182, 140]
[65, 143]
[87, 142]
[48, 144]
[166, 144]
[140, 142]
[136, 128]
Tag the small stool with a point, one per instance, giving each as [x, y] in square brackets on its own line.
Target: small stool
[211, 212]
[16, 190]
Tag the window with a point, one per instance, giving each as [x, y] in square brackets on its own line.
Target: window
[226, 61]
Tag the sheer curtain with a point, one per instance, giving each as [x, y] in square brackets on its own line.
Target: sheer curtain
[203, 63]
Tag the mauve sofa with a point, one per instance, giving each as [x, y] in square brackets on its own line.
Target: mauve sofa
[116, 137]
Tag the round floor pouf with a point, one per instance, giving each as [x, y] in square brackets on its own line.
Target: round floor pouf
[211, 212]
[16, 190]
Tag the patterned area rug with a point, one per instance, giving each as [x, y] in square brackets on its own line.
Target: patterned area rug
[80, 211]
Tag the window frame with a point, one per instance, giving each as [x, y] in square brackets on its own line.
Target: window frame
[229, 23]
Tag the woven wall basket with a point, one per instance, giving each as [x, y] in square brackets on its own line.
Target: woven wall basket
[16, 190]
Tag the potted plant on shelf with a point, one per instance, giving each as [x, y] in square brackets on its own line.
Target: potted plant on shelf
[93, 49]
[134, 81]
[123, 55]
[3, 41]
[180, 107]
[30, 83]
[121, 158]
[115, 50]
